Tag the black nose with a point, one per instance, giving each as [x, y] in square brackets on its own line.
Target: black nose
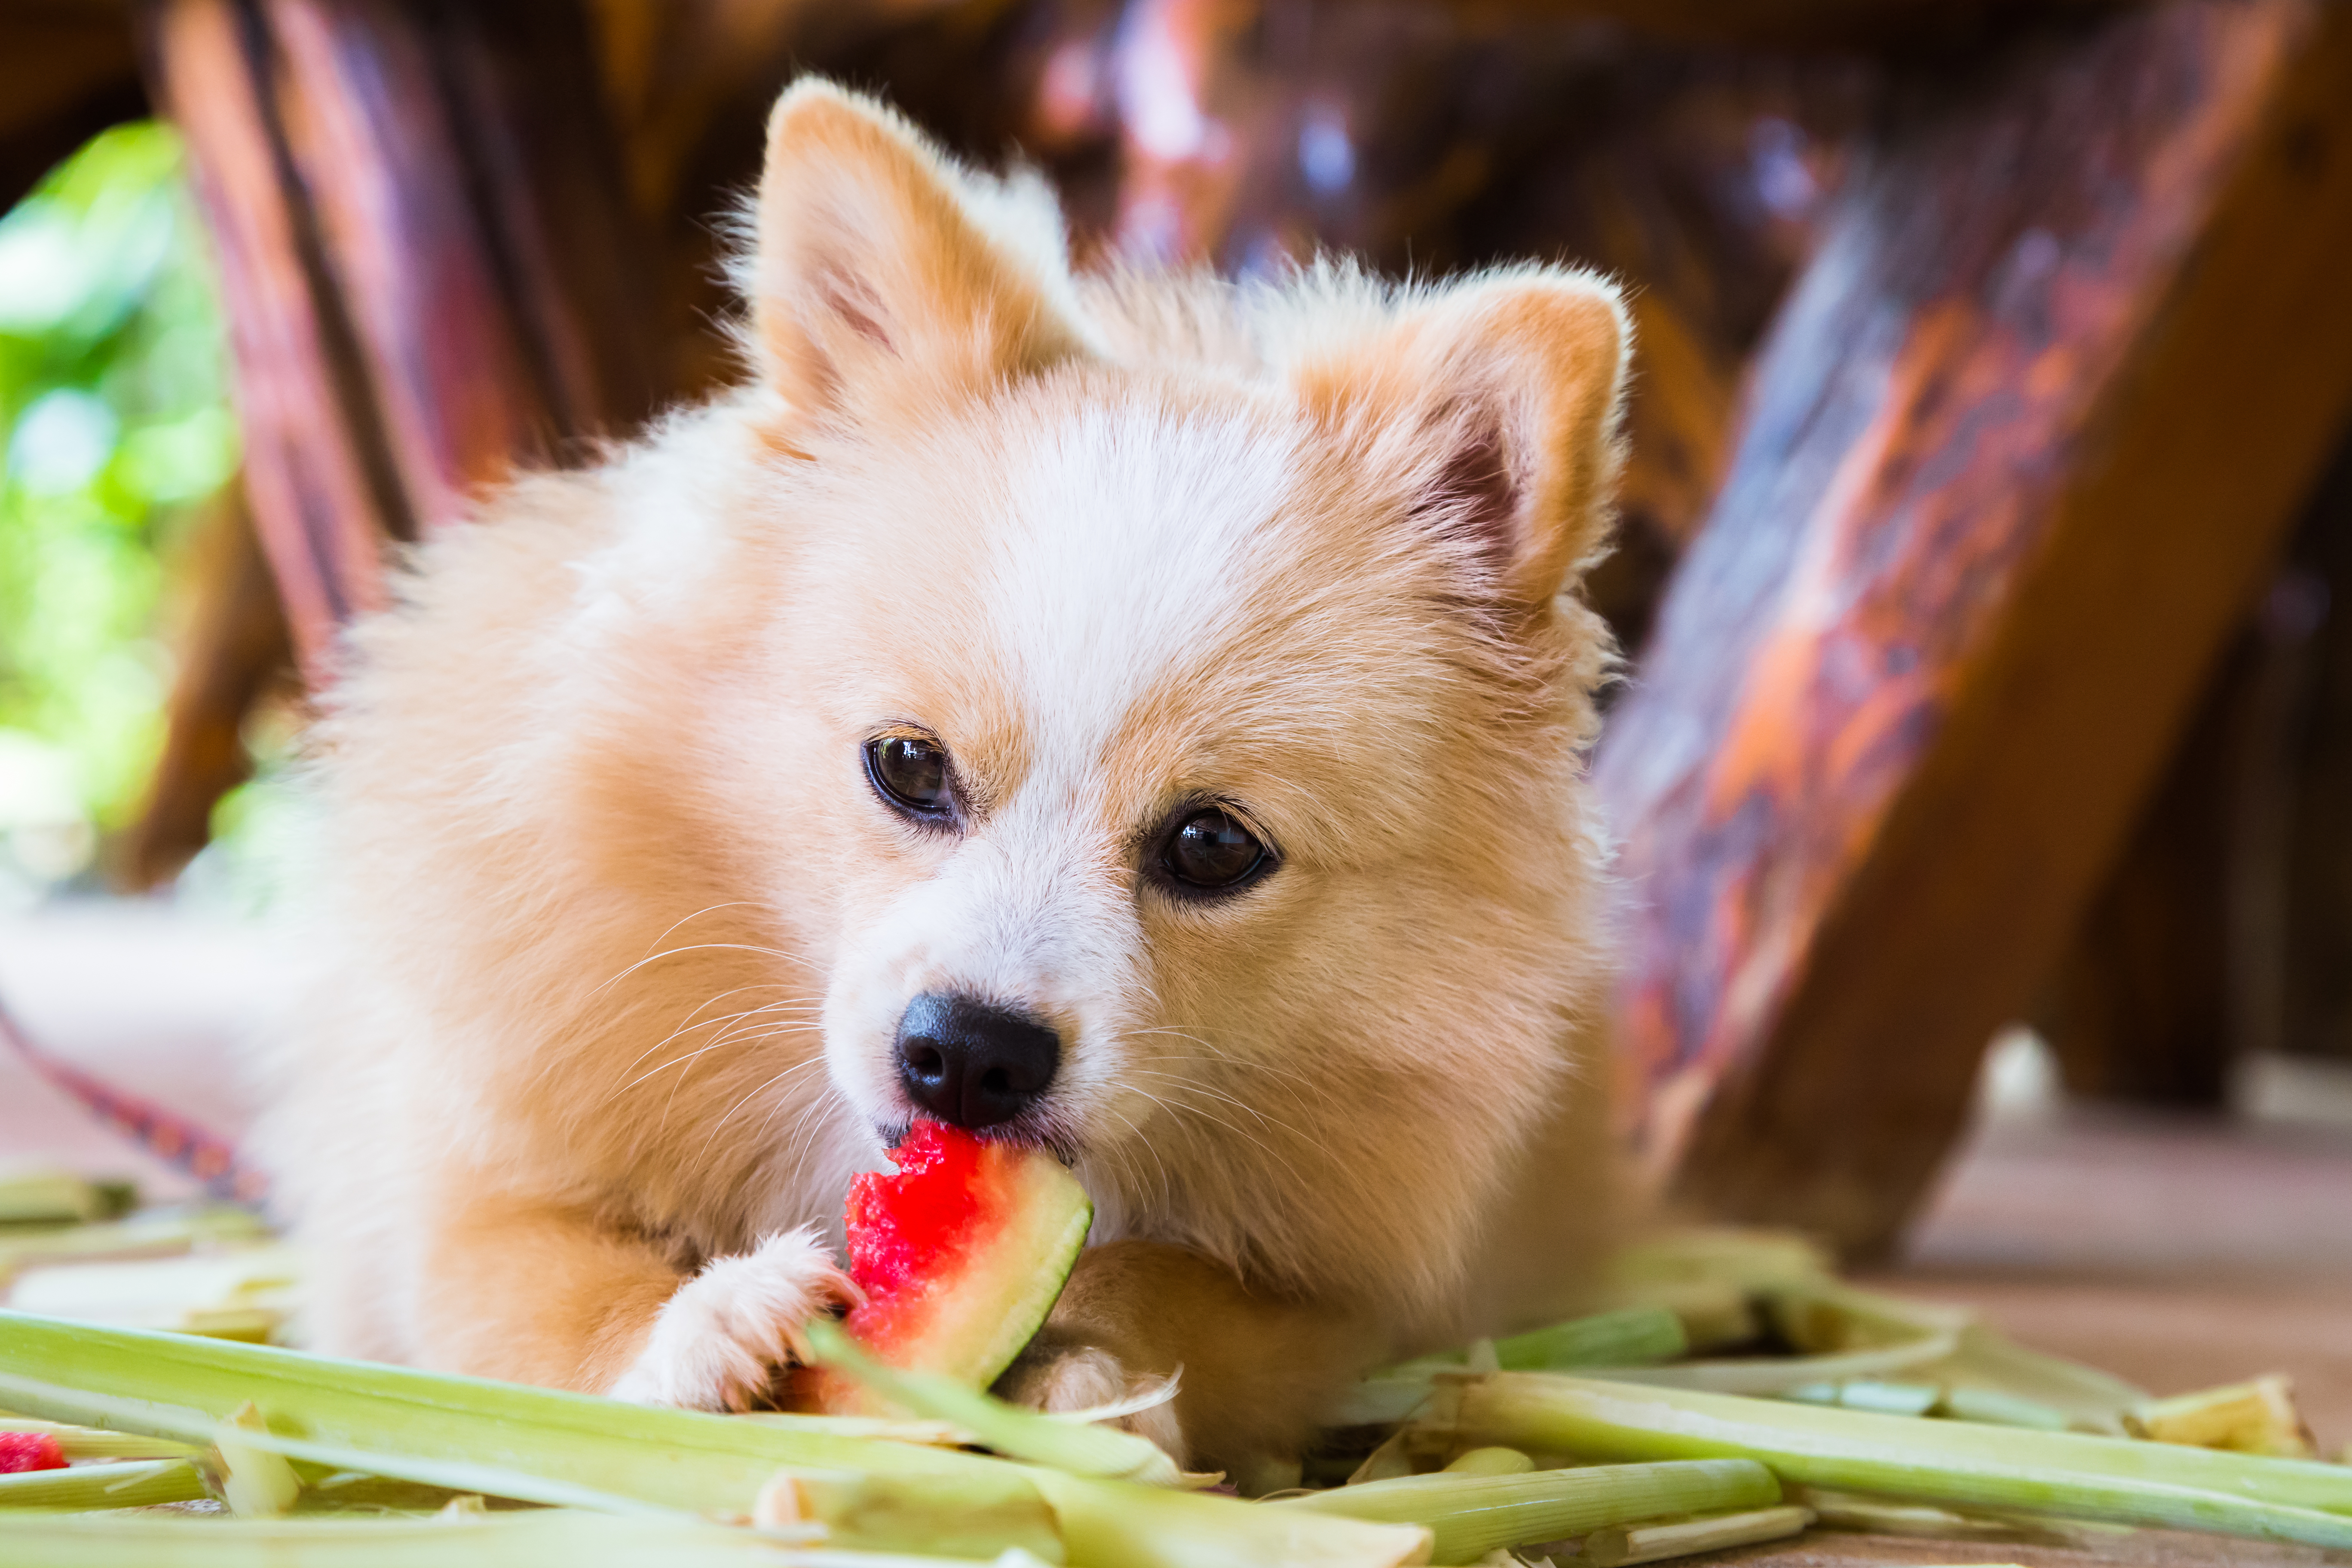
[973, 1065]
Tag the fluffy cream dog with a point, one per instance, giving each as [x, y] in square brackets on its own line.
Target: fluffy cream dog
[1136, 715]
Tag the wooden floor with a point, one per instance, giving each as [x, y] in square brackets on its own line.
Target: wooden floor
[2180, 1253]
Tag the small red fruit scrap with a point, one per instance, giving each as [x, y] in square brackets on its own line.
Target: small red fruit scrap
[22, 1451]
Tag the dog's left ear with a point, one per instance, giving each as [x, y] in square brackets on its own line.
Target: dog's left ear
[1495, 404]
[879, 258]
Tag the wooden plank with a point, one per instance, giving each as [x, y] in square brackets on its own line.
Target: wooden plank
[2313, 864]
[427, 256]
[232, 653]
[2019, 453]
[2139, 1007]
[321, 484]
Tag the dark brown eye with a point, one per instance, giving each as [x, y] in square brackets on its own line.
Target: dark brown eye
[911, 773]
[1210, 850]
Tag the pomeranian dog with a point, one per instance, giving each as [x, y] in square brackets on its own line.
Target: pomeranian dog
[1140, 716]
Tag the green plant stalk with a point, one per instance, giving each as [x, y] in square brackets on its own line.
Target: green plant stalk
[59, 1197]
[944, 1516]
[1489, 1462]
[546, 1445]
[1893, 1335]
[1957, 1462]
[96, 1443]
[1470, 1516]
[1996, 1408]
[397, 1421]
[1103, 1520]
[1081, 1450]
[1870, 1394]
[135, 1483]
[1630, 1336]
[1619, 1546]
[2081, 1396]
[141, 1236]
[552, 1539]
[256, 1482]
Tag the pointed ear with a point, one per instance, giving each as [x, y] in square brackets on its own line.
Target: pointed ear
[877, 258]
[1497, 403]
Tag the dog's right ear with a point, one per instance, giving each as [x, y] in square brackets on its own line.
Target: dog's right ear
[881, 264]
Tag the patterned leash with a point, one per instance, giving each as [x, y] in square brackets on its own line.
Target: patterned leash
[171, 1137]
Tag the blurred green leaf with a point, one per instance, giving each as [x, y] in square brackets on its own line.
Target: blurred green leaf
[114, 416]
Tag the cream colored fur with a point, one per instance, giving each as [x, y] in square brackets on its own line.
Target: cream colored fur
[615, 934]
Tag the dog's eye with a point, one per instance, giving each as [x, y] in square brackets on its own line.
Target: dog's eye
[910, 772]
[1211, 849]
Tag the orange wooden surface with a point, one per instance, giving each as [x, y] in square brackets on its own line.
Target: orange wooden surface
[2021, 448]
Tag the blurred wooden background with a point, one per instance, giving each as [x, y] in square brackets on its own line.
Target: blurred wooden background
[1988, 504]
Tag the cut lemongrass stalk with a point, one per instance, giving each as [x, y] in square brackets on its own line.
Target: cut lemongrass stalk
[467, 1434]
[1852, 1335]
[1992, 1406]
[256, 1482]
[1490, 1462]
[537, 1539]
[2084, 1397]
[1104, 1452]
[1132, 1526]
[59, 1198]
[1472, 1515]
[1878, 1516]
[1869, 1394]
[1392, 1459]
[141, 1236]
[1746, 1258]
[933, 1434]
[1882, 1516]
[2256, 1417]
[948, 1516]
[2062, 1473]
[547, 1445]
[1632, 1336]
[1620, 1545]
[96, 1443]
[133, 1483]
[235, 1293]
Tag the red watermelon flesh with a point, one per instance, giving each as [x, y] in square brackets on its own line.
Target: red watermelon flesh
[21, 1451]
[962, 1253]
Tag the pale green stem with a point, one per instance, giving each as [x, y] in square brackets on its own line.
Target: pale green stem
[134, 1483]
[1932, 1462]
[459, 1432]
[1472, 1515]
[1620, 1546]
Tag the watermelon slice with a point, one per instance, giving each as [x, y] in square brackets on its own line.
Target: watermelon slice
[960, 1254]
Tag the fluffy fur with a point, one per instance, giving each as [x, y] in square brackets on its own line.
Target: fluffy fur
[617, 933]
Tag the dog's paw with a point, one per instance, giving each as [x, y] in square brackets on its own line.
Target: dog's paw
[718, 1342]
[1060, 1379]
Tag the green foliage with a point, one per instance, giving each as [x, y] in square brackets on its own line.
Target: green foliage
[114, 414]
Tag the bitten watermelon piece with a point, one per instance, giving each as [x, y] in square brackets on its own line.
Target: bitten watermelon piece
[960, 1254]
[21, 1451]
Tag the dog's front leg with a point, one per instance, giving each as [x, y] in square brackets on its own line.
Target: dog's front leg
[1257, 1371]
[539, 1294]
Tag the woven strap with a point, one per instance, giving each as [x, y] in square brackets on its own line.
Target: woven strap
[171, 1137]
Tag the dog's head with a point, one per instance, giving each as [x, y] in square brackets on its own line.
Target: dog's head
[1183, 718]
